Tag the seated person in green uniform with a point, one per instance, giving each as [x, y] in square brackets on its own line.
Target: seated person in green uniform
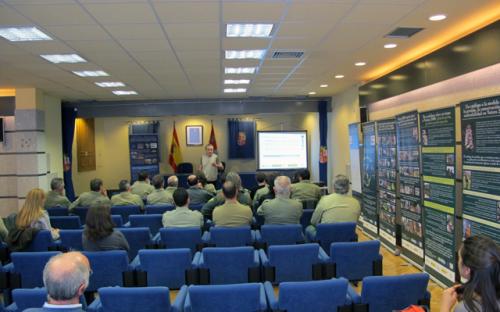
[209, 187]
[232, 213]
[126, 198]
[260, 178]
[197, 195]
[243, 195]
[281, 209]
[97, 195]
[336, 207]
[266, 192]
[142, 187]
[305, 189]
[55, 197]
[182, 216]
[172, 184]
[159, 196]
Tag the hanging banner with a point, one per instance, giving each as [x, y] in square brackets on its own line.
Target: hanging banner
[355, 160]
[386, 159]
[369, 216]
[410, 187]
[481, 166]
[437, 130]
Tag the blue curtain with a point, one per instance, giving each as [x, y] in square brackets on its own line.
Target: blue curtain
[241, 139]
[323, 139]
[68, 131]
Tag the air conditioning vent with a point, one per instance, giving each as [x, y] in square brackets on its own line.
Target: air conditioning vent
[403, 32]
[287, 54]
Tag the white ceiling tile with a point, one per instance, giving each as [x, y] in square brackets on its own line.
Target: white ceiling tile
[379, 13]
[259, 11]
[78, 32]
[123, 13]
[193, 31]
[9, 16]
[145, 45]
[200, 44]
[55, 14]
[136, 31]
[314, 11]
[185, 12]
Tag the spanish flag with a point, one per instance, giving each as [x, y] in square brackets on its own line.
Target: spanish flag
[175, 156]
[212, 138]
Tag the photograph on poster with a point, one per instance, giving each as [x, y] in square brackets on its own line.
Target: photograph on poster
[467, 179]
[450, 159]
[412, 226]
[450, 171]
[427, 190]
[449, 224]
[469, 138]
[425, 138]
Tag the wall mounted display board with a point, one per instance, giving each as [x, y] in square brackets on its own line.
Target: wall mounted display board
[437, 137]
[144, 149]
[386, 160]
[410, 187]
[481, 166]
[369, 216]
[355, 172]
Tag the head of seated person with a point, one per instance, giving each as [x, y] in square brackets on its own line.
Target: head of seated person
[202, 178]
[341, 184]
[143, 176]
[96, 185]
[32, 209]
[230, 191]
[57, 185]
[98, 223]
[303, 174]
[158, 182]
[192, 180]
[181, 197]
[234, 178]
[172, 181]
[124, 186]
[260, 178]
[282, 187]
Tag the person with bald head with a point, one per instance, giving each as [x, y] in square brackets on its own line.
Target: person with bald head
[159, 196]
[281, 209]
[197, 195]
[142, 187]
[65, 276]
[172, 184]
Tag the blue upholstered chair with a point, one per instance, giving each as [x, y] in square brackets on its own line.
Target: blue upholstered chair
[57, 211]
[108, 269]
[389, 293]
[41, 242]
[196, 207]
[228, 265]
[230, 236]
[71, 239]
[286, 263]
[184, 167]
[223, 298]
[171, 268]
[305, 219]
[158, 209]
[326, 295]
[31, 298]
[27, 268]
[309, 204]
[152, 221]
[137, 238]
[181, 237]
[117, 220]
[81, 212]
[125, 211]
[328, 233]
[133, 299]
[354, 260]
[65, 222]
[286, 234]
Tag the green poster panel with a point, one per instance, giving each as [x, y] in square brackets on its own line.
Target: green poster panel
[369, 216]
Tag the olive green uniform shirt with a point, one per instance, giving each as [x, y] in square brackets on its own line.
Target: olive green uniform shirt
[336, 208]
[127, 198]
[281, 211]
[260, 192]
[243, 198]
[142, 188]
[171, 190]
[182, 217]
[232, 215]
[160, 197]
[54, 199]
[305, 190]
[88, 199]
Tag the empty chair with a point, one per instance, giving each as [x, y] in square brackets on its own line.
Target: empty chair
[355, 260]
[230, 236]
[184, 167]
[57, 211]
[137, 238]
[327, 295]
[81, 212]
[110, 268]
[41, 242]
[228, 265]
[222, 298]
[125, 211]
[31, 298]
[287, 234]
[132, 299]
[27, 268]
[181, 237]
[117, 220]
[328, 233]
[66, 222]
[158, 209]
[309, 204]
[152, 221]
[389, 293]
[305, 219]
[71, 239]
[171, 268]
[285, 263]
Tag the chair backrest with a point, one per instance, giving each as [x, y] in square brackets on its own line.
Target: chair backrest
[355, 260]
[137, 238]
[229, 264]
[230, 236]
[27, 298]
[107, 268]
[181, 237]
[125, 211]
[71, 239]
[158, 209]
[222, 298]
[41, 242]
[152, 221]
[57, 211]
[389, 293]
[81, 212]
[30, 266]
[309, 204]
[326, 295]
[196, 207]
[184, 167]
[117, 220]
[65, 222]
[165, 267]
[287, 234]
[305, 219]
[328, 233]
[131, 299]
[293, 262]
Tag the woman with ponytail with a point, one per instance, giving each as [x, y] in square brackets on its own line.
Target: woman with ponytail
[479, 264]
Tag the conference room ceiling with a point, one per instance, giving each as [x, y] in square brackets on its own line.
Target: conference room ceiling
[175, 49]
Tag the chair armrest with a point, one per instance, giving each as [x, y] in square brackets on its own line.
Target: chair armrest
[126, 224]
[256, 258]
[9, 267]
[322, 256]
[263, 258]
[95, 306]
[197, 260]
[271, 298]
[355, 297]
[206, 237]
[178, 304]
[156, 239]
[187, 303]
[262, 299]
[256, 236]
[136, 263]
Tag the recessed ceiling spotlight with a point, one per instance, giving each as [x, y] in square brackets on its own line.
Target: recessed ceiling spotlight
[123, 92]
[437, 17]
[236, 90]
[23, 34]
[398, 77]
[91, 73]
[312, 93]
[244, 54]
[360, 63]
[323, 86]
[238, 81]
[249, 30]
[63, 58]
[377, 86]
[339, 76]
[390, 45]
[110, 84]
[239, 70]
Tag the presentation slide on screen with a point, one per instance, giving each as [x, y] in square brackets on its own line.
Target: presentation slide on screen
[282, 150]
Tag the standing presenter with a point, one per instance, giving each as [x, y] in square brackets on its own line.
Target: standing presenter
[210, 164]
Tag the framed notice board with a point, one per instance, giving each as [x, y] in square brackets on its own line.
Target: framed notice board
[144, 149]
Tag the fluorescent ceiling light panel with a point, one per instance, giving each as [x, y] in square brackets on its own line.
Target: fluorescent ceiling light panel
[323, 86]
[63, 58]
[312, 93]
[360, 63]
[91, 73]
[249, 30]
[237, 90]
[390, 45]
[244, 54]
[239, 70]
[437, 17]
[339, 76]
[17, 34]
[110, 84]
[240, 81]
[122, 92]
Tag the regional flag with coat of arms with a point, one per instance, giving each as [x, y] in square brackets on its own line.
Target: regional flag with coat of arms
[174, 156]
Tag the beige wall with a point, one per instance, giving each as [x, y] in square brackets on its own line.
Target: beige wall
[112, 150]
[53, 135]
